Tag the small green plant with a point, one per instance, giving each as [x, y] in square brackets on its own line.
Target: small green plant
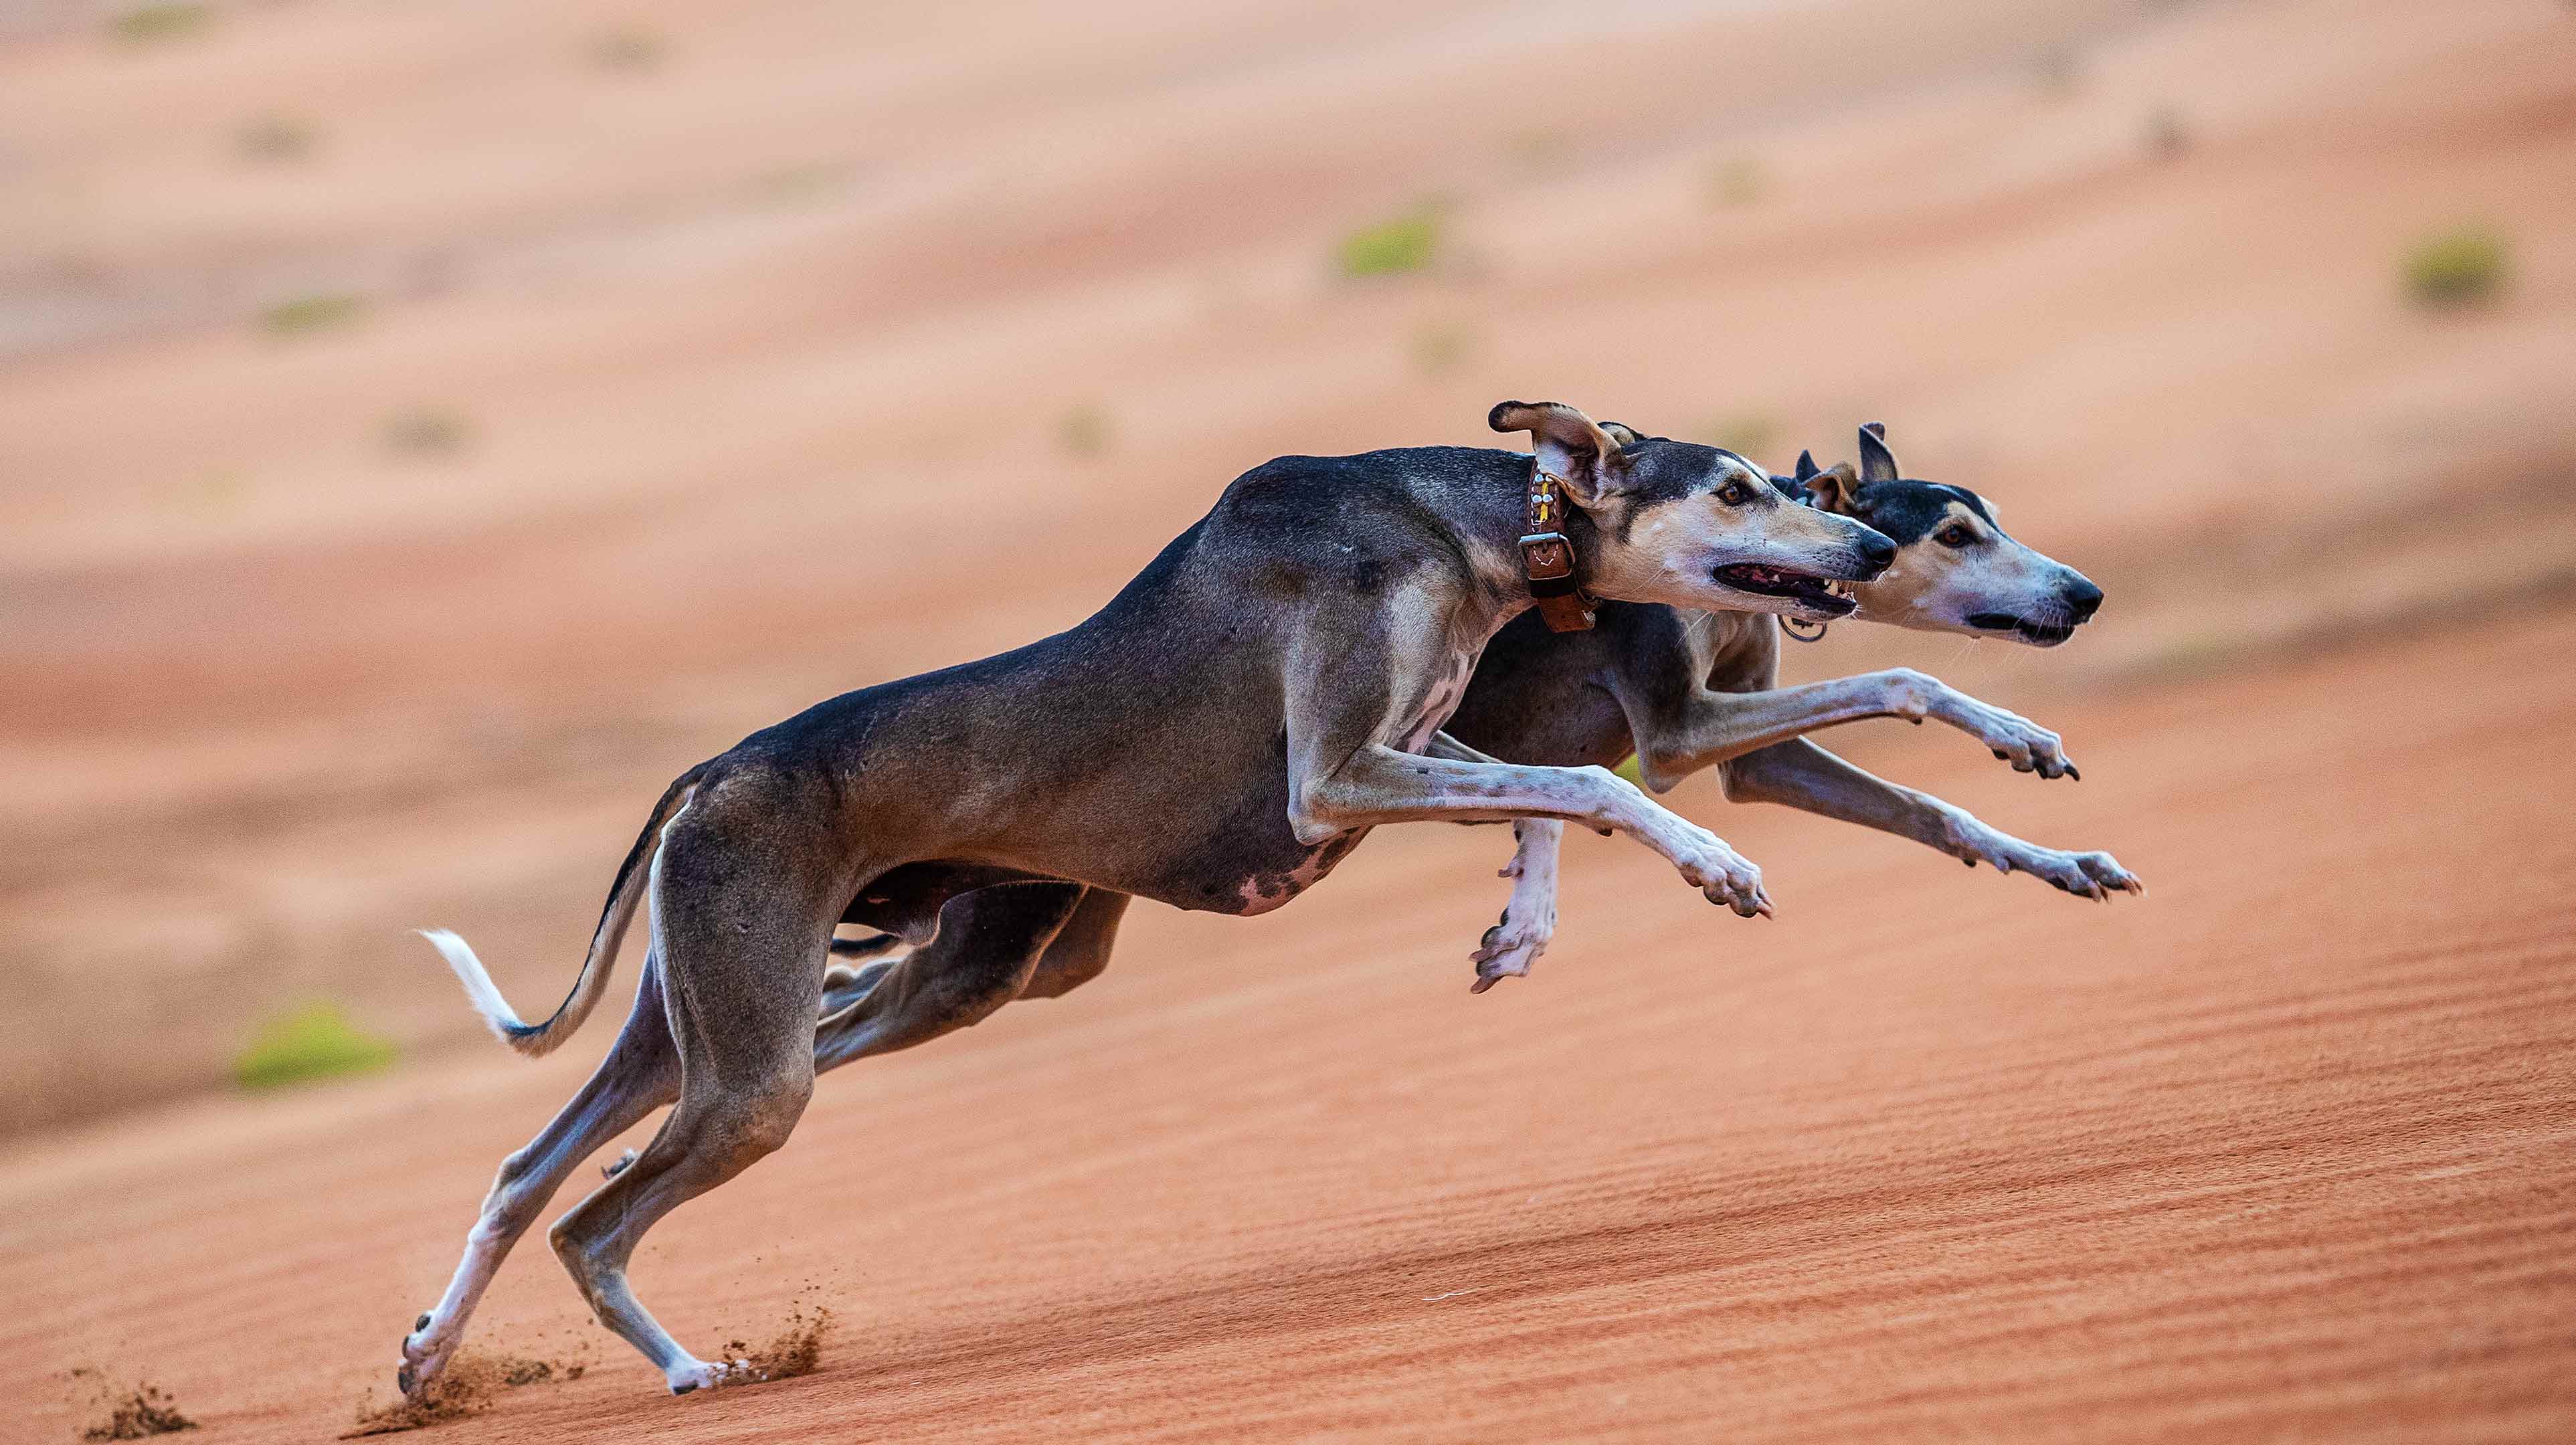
[1084, 432]
[161, 20]
[1747, 434]
[1391, 248]
[1442, 346]
[2057, 72]
[627, 47]
[1632, 770]
[426, 432]
[1736, 182]
[276, 138]
[315, 1041]
[2167, 136]
[798, 185]
[304, 315]
[2461, 267]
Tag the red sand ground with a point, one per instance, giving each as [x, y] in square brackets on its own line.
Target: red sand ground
[2280, 1150]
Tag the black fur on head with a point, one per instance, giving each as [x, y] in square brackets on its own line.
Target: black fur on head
[1900, 507]
[1664, 470]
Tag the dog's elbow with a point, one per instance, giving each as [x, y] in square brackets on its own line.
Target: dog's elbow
[1742, 780]
[1660, 769]
[1314, 813]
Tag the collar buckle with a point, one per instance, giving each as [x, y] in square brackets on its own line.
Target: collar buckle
[1547, 558]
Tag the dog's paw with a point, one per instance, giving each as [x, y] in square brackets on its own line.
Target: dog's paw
[1723, 875]
[2090, 875]
[2017, 740]
[424, 1358]
[1510, 947]
[2086, 875]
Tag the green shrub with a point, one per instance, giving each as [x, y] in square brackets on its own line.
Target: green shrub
[1442, 346]
[1737, 182]
[427, 433]
[304, 315]
[1084, 432]
[276, 138]
[1391, 248]
[1748, 434]
[1632, 770]
[2458, 268]
[316, 1041]
[162, 20]
[627, 47]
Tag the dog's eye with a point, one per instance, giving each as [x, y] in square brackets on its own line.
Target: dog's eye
[1736, 494]
[1956, 534]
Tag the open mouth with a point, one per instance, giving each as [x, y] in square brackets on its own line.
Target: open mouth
[2037, 634]
[1818, 593]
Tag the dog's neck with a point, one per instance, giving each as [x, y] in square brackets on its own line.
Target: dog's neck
[1490, 521]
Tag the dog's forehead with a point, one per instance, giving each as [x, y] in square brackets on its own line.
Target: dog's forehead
[1667, 469]
[1906, 511]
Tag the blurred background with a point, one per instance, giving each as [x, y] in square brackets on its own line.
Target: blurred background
[425, 429]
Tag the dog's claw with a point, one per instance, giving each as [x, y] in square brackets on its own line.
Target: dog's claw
[403, 1379]
[420, 1324]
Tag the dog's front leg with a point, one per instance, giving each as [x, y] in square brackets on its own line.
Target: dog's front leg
[1802, 775]
[1378, 784]
[1706, 728]
[1528, 923]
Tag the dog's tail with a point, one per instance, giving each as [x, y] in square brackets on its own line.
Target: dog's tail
[633, 878]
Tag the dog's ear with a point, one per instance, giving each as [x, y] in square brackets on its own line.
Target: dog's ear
[1578, 453]
[1806, 466]
[1622, 433]
[1877, 463]
[1834, 489]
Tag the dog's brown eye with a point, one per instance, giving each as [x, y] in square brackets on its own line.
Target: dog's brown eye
[1955, 535]
[1735, 495]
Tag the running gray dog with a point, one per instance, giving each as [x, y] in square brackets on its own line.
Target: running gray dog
[1681, 689]
[1268, 690]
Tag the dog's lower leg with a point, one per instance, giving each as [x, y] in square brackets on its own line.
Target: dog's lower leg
[640, 1074]
[1712, 727]
[1528, 923]
[1802, 775]
[723, 1125]
[1376, 785]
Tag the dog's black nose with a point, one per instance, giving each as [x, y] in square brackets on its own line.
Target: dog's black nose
[2083, 597]
[1880, 553]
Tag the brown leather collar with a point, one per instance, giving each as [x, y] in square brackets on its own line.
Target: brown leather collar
[1547, 557]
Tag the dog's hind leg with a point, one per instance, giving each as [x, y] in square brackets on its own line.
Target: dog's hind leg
[640, 1074]
[1079, 952]
[742, 910]
[988, 949]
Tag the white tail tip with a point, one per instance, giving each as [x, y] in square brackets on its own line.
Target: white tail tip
[479, 989]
